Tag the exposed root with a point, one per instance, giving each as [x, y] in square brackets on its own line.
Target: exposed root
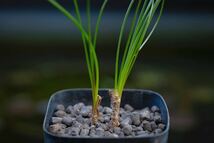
[95, 110]
[115, 105]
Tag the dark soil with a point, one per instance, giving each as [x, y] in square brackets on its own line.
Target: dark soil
[76, 121]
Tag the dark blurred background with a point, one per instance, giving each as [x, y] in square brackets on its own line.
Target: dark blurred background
[41, 52]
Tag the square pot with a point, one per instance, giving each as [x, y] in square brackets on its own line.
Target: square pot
[137, 98]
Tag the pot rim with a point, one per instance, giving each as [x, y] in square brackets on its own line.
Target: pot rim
[109, 138]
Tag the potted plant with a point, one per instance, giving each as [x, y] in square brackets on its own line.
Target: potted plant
[135, 115]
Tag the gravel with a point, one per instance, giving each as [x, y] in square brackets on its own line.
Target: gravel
[128, 108]
[155, 109]
[107, 110]
[157, 117]
[85, 111]
[147, 126]
[60, 107]
[60, 113]
[141, 133]
[75, 120]
[161, 126]
[157, 131]
[84, 132]
[100, 132]
[69, 109]
[153, 125]
[145, 114]
[57, 128]
[74, 131]
[127, 130]
[56, 120]
[107, 134]
[80, 119]
[68, 120]
[126, 122]
[77, 108]
[117, 130]
[135, 117]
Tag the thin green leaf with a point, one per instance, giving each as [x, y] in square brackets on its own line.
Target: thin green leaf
[130, 33]
[120, 40]
[98, 21]
[138, 40]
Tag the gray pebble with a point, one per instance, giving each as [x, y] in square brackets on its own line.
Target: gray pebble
[100, 132]
[117, 130]
[98, 124]
[128, 108]
[68, 120]
[89, 107]
[125, 115]
[126, 122]
[106, 119]
[76, 124]
[80, 119]
[60, 113]
[107, 110]
[67, 131]
[152, 116]
[75, 131]
[104, 126]
[135, 118]
[92, 131]
[84, 132]
[153, 125]
[60, 107]
[114, 135]
[161, 126]
[157, 131]
[155, 109]
[101, 119]
[77, 108]
[127, 130]
[80, 105]
[100, 108]
[85, 126]
[56, 120]
[122, 111]
[141, 133]
[137, 129]
[93, 127]
[107, 134]
[111, 130]
[145, 114]
[85, 111]
[69, 109]
[87, 121]
[57, 128]
[147, 125]
[157, 118]
[121, 134]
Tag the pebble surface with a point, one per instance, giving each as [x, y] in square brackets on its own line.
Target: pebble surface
[75, 120]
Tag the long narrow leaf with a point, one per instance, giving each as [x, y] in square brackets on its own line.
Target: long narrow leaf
[120, 40]
[130, 34]
[139, 37]
[98, 21]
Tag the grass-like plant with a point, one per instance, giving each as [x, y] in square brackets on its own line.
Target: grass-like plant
[89, 42]
[142, 26]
